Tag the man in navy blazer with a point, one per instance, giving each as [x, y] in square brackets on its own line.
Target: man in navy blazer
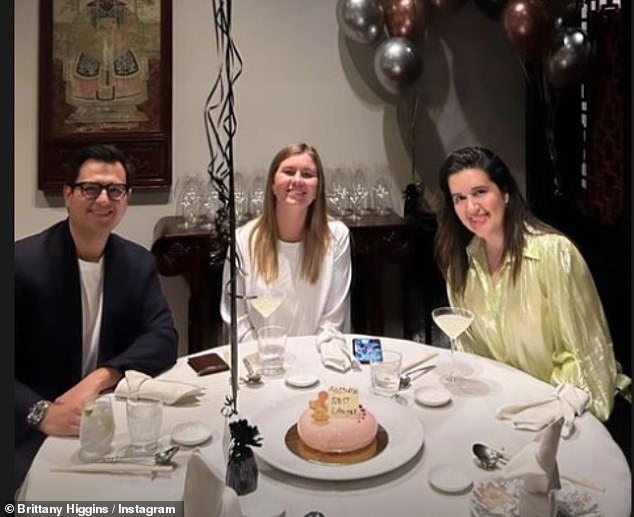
[88, 306]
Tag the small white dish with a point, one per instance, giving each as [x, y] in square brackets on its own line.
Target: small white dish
[447, 478]
[432, 396]
[301, 381]
[190, 433]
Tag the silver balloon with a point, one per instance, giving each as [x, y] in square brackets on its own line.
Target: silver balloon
[397, 64]
[569, 57]
[360, 20]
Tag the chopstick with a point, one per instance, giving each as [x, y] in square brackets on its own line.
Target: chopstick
[113, 467]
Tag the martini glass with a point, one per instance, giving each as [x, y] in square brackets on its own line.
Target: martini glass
[266, 302]
[453, 321]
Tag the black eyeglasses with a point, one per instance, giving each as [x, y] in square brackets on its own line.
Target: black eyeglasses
[91, 190]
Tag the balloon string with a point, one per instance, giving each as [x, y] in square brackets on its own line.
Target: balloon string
[413, 135]
[550, 106]
[527, 76]
[538, 82]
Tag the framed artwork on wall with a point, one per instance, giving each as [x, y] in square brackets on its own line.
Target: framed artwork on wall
[105, 76]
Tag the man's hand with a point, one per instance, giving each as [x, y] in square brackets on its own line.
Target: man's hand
[61, 420]
[63, 416]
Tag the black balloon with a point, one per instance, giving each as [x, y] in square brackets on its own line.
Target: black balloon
[492, 8]
[569, 57]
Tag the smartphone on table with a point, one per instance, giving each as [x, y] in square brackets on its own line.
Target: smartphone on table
[366, 349]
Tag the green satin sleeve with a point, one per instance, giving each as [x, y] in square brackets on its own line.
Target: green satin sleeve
[583, 352]
[549, 322]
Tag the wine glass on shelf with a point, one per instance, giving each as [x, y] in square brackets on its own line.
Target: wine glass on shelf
[241, 197]
[209, 204]
[382, 194]
[188, 200]
[258, 187]
[453, 321]
[340, 186]
[358, 194]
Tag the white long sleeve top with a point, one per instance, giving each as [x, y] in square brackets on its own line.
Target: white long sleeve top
[307, 309]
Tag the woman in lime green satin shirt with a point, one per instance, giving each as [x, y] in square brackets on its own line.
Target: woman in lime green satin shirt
[535, 303]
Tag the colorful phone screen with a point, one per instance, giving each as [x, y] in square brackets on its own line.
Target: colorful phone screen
[367, 349]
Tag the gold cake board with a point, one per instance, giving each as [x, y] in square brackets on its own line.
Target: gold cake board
[299, 448]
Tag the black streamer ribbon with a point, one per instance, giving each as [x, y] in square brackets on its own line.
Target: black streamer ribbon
[220, 128]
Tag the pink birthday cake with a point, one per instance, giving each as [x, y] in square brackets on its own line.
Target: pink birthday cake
[333, 427]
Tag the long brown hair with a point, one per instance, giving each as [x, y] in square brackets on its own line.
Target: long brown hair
[452, 237]
[316, 239]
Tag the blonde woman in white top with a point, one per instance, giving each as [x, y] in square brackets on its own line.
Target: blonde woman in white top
[294, 249]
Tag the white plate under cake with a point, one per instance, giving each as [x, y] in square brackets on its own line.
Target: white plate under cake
[404, 432]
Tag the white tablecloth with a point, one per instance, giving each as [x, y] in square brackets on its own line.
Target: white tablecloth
[450, 431]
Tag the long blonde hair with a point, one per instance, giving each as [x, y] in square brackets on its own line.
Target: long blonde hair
[316, 239]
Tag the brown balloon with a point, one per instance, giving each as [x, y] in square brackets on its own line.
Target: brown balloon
[447, 5]
[406, 18]
[527, 26]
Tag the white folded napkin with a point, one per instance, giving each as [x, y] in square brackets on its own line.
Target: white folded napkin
[536, 465]
[331, 346]
[137, 384]
[566, 401]
[206, 494]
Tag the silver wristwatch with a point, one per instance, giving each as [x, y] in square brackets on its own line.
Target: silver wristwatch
[37, 412]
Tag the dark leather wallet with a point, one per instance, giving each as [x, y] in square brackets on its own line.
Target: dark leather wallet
[208, 363]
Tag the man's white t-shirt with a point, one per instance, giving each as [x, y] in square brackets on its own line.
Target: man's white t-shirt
[91, 280]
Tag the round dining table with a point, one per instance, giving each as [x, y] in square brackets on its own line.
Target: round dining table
[444, 436]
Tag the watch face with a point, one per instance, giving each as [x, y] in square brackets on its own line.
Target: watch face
[37, 412]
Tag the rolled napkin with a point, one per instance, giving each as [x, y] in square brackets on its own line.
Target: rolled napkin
[536, 465]
[206, 494]
[566, 401]
[331, 346]
[137, 384]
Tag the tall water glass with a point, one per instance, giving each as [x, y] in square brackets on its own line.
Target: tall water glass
[271, 349]
[96, 428]
[145, 417]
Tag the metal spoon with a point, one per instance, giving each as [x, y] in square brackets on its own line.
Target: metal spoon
[165, 457]
[490, 459]
[252, 377]
[406, 380]
[160, 458]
